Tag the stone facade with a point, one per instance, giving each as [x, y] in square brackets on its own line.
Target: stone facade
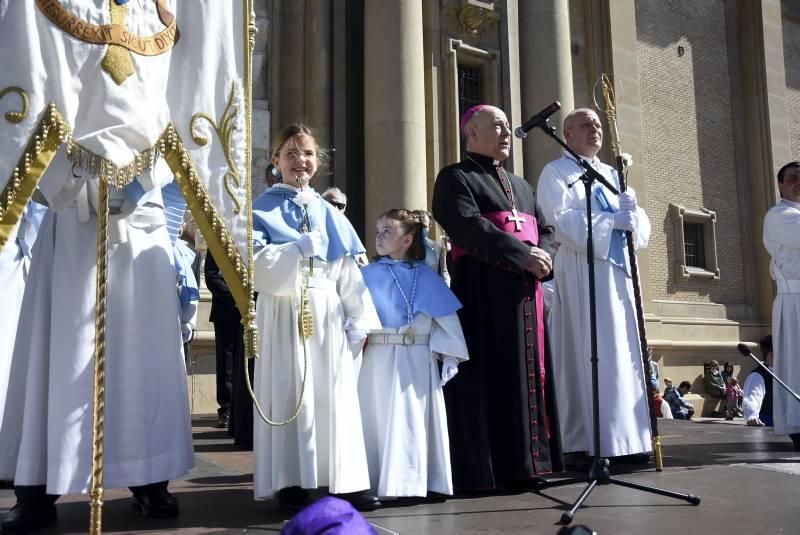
[688, 126]
[710, 110]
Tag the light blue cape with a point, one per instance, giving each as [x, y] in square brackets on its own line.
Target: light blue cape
[277, 219]
[432, 295]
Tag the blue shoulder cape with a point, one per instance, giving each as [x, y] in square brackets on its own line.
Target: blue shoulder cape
[432, 295]
[277, 219]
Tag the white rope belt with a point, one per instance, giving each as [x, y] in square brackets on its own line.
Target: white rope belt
[407, 339]
[786, 286]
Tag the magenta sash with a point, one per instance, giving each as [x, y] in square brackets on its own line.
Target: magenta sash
[529, 233]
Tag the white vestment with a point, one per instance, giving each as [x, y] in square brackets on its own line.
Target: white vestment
[782, 240]
[624, 415]
[403, 411]
[324, 446]
[14, 264]
[47, 439]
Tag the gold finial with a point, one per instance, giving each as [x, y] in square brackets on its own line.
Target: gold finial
[605, 84]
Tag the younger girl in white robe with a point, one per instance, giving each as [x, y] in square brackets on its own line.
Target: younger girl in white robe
[400, 387]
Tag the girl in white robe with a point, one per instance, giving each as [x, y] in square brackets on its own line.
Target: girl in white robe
[400, 386]
[304, 245]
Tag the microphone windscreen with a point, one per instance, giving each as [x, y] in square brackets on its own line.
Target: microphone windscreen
[744, 350]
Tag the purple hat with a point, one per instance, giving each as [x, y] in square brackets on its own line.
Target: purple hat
[328, 516]
[470, 112]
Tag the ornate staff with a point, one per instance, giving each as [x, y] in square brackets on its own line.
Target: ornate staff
[98, 419]
[610, 110]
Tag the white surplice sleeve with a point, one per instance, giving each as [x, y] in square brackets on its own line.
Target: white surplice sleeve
[447, 338]
[276, 270]
[641, 233]
[782, 226]
[754, 391]
[565, 210]
[359, 310]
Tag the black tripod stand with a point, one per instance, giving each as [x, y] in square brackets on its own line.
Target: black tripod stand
[598, 473]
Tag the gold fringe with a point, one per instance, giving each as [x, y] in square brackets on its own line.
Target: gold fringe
[220, 242]
[117, 176]
[51, 132]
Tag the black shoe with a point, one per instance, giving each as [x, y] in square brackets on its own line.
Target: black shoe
[155, 501]
[577, 462]
[435, 497]
[29, 516]
[360, 500]
[293, 499]
[223, 420]
[634, 458]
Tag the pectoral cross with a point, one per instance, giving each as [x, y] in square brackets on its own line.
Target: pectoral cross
[516, 218]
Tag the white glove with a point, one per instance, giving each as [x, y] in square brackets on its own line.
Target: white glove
[449, 369]
[627, 201]
[355, 337]
[186, 332]
[624, 220]
[310, 244]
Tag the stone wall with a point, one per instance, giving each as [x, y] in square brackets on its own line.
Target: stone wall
[688, 138]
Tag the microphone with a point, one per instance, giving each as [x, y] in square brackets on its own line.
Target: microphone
[744, 350]
[537, 120]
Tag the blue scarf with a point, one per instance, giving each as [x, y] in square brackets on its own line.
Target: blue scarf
[431, 297]
[277, 219]
[616, 249]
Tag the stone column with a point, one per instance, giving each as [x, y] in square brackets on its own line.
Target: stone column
[394, 109]
[768, 142]
[301, 81]
[288, 65]
[318, 69]
[621, 17]
[546, 69]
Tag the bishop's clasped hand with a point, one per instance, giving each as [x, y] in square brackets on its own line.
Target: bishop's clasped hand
[539, 263]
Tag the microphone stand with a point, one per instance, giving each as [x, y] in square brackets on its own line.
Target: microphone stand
[598, 472]
[746, 352]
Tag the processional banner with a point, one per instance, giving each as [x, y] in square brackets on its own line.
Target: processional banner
[117, 88]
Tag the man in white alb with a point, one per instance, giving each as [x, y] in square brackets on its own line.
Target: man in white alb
[782, 240]
[624, 417]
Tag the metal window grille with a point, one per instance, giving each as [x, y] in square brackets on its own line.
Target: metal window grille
[470, 88]
[694, 245]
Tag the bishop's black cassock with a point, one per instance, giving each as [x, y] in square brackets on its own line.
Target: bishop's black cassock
[501, 406]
